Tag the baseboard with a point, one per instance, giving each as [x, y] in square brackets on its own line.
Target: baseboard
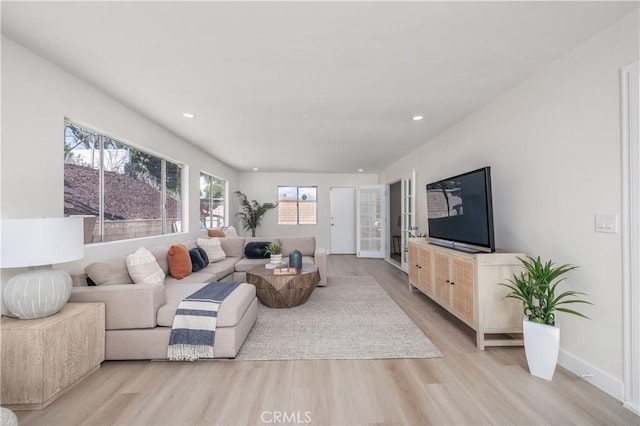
[632, 407]
[591, 374]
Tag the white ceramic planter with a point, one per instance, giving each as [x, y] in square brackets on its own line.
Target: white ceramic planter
[541, 345]
[276, 259]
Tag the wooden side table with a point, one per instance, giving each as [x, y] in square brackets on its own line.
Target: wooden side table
[44, 358]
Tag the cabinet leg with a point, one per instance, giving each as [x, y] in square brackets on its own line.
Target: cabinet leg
[480, 340]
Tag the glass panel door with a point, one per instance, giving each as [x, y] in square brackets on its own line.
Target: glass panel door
[408, 218]
[371, 218]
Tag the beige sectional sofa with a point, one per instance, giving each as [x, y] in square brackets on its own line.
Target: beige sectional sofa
[139, 316]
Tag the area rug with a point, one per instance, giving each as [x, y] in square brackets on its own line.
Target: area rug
[351, 318]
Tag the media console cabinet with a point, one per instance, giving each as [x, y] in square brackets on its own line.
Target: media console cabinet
[466, 284]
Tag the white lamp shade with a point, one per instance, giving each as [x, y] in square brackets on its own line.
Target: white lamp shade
[40, 241]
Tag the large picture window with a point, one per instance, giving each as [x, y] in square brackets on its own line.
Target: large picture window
[297, 205]
[122, 191]
[213, 197]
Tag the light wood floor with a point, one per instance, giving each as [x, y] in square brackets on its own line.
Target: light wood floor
[464, 387]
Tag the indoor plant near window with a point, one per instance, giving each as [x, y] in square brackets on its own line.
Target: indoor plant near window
[537, 288]
[252, 212]
[275, 251]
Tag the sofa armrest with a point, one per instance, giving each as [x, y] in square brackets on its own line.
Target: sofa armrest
[126, 305]
[320, 259]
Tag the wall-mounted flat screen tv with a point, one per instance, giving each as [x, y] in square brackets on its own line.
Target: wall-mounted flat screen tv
[460, 212]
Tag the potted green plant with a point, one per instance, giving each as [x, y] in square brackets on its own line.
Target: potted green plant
[537, 288]
[275, 251]
[252, 212]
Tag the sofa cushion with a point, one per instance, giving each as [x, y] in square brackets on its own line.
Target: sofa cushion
[244, 264]
[111, 271]
[233, 246]
[229, 313]
[213, 247]
[230, 231]
[179, 261]
[200, 277]
[256, 250]
[199, 259]
[143, 267]
[305, 245]
[222, 268]
[126, 306]
[160, 253]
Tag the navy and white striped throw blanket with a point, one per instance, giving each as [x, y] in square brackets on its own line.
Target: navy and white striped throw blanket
[194, 326]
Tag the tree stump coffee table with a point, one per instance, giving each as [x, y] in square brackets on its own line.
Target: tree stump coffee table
[283, 291]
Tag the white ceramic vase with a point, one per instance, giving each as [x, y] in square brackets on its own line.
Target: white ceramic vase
[276, 259]
[541, 345]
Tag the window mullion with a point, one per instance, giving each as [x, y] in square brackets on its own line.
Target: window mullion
[297, 205]
[211, 201]
[101, 185]
[163, 195]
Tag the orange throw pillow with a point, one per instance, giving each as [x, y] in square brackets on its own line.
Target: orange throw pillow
[179, 261]
[215, 232]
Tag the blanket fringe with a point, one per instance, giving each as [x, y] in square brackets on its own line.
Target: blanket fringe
[184, 352]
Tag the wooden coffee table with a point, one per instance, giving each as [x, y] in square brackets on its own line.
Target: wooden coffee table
[283, 291]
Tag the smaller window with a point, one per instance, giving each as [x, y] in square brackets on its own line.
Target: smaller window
[297, 205]
[213, 201]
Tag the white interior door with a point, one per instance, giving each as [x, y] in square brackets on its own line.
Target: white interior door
[371, 220]
[408, 218]
[343, 220]
[631, 234]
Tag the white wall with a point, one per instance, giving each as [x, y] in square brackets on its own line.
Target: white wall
[263, 187]
[553, 143]
[36, 97]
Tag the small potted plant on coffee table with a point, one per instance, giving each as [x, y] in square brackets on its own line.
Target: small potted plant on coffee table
[275, 252]
[536, 287]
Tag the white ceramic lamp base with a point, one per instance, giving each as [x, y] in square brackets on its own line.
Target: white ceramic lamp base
[37, 293]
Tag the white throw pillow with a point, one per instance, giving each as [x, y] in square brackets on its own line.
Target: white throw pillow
[213, 248]
[230, 231]
[144, 268]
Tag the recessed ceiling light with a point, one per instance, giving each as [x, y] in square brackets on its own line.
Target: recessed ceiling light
[361, 170]
[255, 169]
[417, 117]
[188, 115]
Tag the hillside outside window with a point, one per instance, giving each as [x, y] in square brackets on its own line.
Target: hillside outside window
[129, 192]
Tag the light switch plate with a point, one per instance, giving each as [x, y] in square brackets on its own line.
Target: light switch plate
[607, 223]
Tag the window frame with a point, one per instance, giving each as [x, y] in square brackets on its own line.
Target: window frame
[101, 140]
[297, 201]
[225, 219]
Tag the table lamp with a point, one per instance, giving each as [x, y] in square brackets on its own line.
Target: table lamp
[37, 244]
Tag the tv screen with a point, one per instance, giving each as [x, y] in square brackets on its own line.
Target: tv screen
[460, 212]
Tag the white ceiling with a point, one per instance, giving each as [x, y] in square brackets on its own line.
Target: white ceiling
[305, 86]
